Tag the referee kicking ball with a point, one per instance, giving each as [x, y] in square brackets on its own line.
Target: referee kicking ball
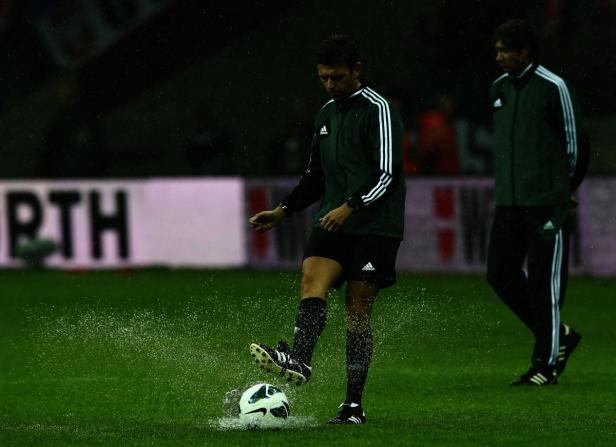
[355, 170]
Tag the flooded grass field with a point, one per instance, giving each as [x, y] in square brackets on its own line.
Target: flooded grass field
[146, 357]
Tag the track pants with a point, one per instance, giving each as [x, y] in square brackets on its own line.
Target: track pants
[525, 234]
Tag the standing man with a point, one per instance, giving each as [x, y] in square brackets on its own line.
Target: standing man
[355, 168]
[537, 167]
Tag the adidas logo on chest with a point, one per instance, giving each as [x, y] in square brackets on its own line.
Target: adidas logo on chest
[368, 268]
[549, 226]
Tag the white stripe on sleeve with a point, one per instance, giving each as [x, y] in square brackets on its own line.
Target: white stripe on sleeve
[385, 147]
[568, 115]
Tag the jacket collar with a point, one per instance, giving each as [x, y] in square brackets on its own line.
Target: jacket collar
[522, 78]
[345, 104]
[351, 96]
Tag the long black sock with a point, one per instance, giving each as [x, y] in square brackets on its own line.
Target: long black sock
[359, 354]
[310, 322]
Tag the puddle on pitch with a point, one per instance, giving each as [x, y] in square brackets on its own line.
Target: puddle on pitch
[292, 423]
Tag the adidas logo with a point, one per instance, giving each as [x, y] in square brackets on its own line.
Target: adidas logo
[538, 379]
[323, 131]
[355, 420]
[498, 103]
[562, 353]
[549, 225]
[368, 268]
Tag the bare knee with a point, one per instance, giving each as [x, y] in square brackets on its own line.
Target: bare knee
[313, 286]
[319, 274]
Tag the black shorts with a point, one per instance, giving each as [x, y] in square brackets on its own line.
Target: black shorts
[362, 256]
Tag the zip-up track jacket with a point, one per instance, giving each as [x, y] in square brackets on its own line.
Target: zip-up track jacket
[536, 131]
[356, 157]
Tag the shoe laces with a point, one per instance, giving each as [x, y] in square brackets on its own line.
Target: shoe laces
[283, 357]
[283, 346]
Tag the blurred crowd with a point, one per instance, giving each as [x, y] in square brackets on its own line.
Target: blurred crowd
[438, 140]
[127, 99]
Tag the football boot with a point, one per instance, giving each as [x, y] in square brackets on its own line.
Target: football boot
[350, 413]
[280, 362]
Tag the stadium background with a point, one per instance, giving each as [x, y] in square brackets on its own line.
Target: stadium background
[122, 88]
[144, 132]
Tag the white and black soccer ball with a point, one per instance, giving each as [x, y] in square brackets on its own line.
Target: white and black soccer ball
[264, 405]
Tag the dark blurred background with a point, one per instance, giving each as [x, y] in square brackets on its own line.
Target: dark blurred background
[138, 88]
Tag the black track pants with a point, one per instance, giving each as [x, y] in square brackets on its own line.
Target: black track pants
[524, 234]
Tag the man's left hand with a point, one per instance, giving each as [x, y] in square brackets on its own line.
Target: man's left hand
[334, 220]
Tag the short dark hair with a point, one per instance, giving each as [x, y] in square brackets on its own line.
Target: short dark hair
[338, 49]
[517, 34]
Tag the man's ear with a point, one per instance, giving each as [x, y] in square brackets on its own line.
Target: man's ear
[357, 70]
[525, 52]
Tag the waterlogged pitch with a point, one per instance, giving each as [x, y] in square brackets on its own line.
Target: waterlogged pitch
[146, 357]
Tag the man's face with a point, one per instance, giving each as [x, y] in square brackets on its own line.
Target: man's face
[510, 60]
[339, 80]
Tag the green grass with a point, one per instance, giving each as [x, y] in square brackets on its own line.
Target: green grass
[145, 358]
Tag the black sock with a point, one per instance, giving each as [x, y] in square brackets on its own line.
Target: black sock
[310, 322]
[359, 354]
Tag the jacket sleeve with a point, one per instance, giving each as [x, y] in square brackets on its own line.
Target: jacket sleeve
[583, 162]
[385, 140]
[311, 186]
[565, 116]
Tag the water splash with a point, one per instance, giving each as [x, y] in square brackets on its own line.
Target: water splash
[291, 423]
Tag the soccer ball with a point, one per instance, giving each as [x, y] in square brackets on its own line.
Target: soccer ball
[264, 405]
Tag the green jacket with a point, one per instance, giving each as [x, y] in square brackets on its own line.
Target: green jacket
[356, 156]
[535, 123]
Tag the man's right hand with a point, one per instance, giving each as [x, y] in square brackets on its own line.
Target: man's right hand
[266, 220]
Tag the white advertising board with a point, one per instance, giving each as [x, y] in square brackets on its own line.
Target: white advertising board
[447, 226]
[179, 222]
[202, 223]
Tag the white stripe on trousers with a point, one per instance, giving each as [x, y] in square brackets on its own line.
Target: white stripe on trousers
[557, 260]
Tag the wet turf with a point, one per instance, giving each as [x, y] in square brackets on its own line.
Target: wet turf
[145, 358]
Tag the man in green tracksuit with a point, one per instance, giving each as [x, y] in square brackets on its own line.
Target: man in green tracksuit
[355, 169]
[537, 167]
